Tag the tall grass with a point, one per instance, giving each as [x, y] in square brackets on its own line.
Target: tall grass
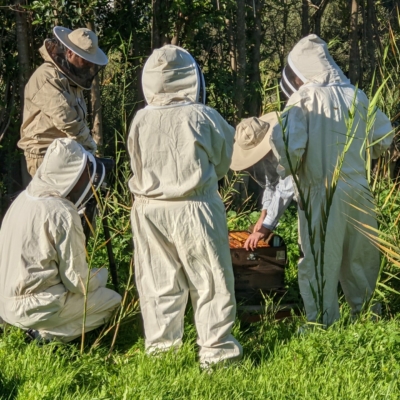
[385, 189]
[114, 206]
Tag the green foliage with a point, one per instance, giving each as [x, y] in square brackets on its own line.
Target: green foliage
[287, 229]
[72, 14]
[241, 221]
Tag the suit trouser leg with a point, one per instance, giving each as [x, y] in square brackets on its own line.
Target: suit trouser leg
[67, 324]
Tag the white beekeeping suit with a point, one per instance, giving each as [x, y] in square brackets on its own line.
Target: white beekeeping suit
[43, 269]
[315, 122]
[179, 149]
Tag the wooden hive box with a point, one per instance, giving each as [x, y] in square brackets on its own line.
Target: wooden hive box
[259, 272]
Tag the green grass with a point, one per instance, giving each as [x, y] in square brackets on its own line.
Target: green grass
[347, 361]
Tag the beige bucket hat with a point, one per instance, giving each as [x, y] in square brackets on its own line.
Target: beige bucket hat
[83, 42]
[252, 140]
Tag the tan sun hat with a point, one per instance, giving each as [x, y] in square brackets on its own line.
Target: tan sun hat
[83, 42]
[252, 140]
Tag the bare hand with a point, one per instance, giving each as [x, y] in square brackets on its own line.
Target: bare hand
[255, 237]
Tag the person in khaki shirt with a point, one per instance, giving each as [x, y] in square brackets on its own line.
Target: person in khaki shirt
[54, 106]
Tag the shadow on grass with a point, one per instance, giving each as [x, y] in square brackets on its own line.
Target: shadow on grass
[128, 335]
[8, 387]
[262, 339]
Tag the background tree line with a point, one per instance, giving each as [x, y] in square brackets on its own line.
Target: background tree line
[241, 46]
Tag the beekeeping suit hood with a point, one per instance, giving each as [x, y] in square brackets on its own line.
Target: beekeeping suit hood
[171, 75]
[63, 165]
[310, 63]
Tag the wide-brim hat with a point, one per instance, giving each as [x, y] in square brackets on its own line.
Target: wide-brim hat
[252, 140]
[83, 42]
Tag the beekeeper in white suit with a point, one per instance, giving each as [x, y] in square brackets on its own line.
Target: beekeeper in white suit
[315, 123]
[179, 149]
[43, 269]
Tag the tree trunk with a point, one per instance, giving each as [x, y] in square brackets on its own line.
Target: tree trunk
[282, 52]
[305, 25]
[370, 36]
[179, 25]
[241, 58]
[317, 16]
[232, 47]
[95, 106]
[139, 103]
[21, 174]
[354, 58]
[155, 24]
[23, 50]
[159, 24]
[255, 78]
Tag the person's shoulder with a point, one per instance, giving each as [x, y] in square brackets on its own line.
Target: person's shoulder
[207, 112]
[137, 119]
[59, 210]
[205, 109]
[140, 114]
[45, 73]
[304, 97]
[305, 92]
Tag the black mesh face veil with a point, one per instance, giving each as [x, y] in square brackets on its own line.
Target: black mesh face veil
[97, 174]
[202, 84]
[82, 76]
[289, 84]
[258, 171]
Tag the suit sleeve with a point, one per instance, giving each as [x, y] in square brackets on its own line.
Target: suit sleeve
[54, 100]
[280, 201]
[382, 133]
[289, 138]
[73, 268]
[221, 144]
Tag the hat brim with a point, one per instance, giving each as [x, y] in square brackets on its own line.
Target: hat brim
[99, 58]
[243, 159]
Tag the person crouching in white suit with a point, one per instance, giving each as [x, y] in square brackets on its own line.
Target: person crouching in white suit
[179, 149]
[325, 113]
[43, 268]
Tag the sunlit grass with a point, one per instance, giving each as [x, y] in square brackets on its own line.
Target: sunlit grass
[347, 361]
